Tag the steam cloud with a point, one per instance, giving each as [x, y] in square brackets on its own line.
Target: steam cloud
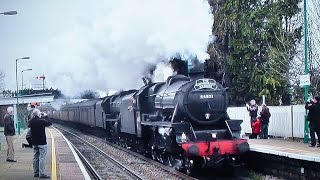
[113, 47]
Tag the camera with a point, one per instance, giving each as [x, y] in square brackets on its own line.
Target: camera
[310, 102]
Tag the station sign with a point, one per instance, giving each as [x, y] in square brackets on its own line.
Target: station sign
[305, 80]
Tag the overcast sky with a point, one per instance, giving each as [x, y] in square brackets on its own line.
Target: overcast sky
[80, 44]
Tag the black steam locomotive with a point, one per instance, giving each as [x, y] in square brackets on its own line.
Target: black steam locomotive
[180, 122]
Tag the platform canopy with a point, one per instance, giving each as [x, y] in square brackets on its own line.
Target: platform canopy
[26, 99]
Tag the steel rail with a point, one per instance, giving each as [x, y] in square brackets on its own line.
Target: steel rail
[132, 173]
[88, 165]
[148, 160]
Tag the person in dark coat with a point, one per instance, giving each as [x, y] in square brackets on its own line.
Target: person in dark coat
[253, 111]
[28, 136]
[264, 118]
[29, 140]
[314, 119]
[39, 141]
[9, 132]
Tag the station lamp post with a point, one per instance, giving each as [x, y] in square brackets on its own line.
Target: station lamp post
[9, 13]
[17, 121]
[22, 77]
[23, 119]
[306, 68]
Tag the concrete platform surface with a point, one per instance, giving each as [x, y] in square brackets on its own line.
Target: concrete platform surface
[287, 148]
[61, 163]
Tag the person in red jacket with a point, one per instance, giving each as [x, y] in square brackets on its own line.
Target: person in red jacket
[256, 127]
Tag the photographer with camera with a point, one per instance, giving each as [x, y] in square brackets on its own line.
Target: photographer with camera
[39, 141]
[314, 119]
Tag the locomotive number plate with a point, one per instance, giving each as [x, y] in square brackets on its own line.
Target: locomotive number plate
[206, 96]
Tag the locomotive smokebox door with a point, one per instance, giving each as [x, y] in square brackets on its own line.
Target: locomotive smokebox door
[127, 115]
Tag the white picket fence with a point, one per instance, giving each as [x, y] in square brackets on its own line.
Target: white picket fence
[285, 121]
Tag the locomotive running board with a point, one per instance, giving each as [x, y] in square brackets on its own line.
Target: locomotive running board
[112, 120]
[162, 123]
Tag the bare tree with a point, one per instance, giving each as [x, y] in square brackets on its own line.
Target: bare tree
[297, 66]
[314, 44]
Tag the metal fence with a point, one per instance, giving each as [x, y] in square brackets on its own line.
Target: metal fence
[285, 121]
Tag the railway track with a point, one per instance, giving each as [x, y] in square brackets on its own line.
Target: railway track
[93, 173]
[163, 167]
[100, 164]
[147, 168]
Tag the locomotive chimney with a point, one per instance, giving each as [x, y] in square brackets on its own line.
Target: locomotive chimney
[145, 81]
[194, 75]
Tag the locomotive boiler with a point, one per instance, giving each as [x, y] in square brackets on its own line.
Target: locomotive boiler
[180, 122]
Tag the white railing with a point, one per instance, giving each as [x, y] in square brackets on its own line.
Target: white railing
[285, 121]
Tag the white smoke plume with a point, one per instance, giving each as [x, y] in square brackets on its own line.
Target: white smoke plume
[57, 104]
[113, 47]
[162, 72]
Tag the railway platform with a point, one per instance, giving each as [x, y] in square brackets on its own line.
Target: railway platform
[284, 158]
[61, 161]
[286, 148]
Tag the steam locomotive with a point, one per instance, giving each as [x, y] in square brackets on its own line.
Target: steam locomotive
[180, 122]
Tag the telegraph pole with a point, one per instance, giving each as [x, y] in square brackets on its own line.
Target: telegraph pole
[306, 69]
[17, 118]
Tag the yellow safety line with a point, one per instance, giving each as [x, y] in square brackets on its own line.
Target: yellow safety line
[53, 153]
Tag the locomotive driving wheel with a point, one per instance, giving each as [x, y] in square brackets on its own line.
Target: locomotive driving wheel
[153, 153]
[122, 144]
[188, 166]
[171, 160]
[165, 158]
[159, 156]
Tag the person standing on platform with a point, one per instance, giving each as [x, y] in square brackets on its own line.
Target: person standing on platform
[256, 126]
[39, 140]
[264, 118]
[9, 132]
[29, 140]
[314, 119]
[28, 136]
[253, 111]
